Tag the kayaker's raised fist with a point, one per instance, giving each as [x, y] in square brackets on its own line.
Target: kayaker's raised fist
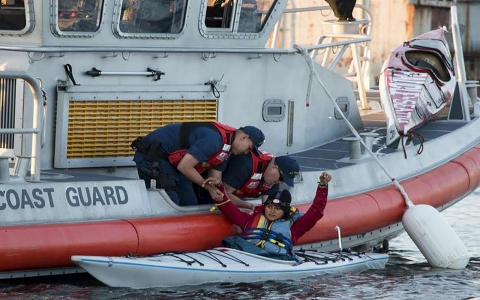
[325, 178]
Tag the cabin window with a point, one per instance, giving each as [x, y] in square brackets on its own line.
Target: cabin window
[12, 15]
[251, 14]
[79, 15]
[219, 13]
[152, 16]
[273, 110]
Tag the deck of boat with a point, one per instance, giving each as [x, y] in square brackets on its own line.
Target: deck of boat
[334, 155]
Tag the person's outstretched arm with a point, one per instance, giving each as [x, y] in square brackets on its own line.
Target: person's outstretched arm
[315, 212]
[237, 201]
[230, 210]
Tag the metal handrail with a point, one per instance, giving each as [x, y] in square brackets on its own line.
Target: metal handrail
[360, 65]
[37, 120]
[67, 49]
[355, 39]
[365, 10]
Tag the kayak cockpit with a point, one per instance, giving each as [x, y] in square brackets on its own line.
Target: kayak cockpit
[428, 61]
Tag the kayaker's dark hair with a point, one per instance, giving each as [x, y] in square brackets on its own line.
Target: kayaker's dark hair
[281, 199]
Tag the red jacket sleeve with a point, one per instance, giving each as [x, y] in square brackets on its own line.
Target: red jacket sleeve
[231, 211]
[311, 217]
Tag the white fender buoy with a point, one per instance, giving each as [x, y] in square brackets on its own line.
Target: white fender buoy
[434, 237]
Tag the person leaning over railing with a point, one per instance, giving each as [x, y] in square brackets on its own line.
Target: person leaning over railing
[257, 176]
[175, 155]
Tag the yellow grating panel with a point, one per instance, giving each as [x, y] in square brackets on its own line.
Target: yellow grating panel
[106, 128]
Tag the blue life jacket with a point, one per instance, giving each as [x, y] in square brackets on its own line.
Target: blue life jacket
[274, 238]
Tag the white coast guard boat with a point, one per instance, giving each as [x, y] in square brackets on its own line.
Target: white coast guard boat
[80, 80]
[221, 265]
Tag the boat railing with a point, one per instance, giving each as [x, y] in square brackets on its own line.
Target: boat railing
[355, 35]
[45, 50]
[35, 130]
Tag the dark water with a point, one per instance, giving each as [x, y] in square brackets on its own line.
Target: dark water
[407, 276]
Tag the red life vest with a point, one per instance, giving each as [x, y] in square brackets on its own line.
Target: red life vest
[252, 187]
[227, 133]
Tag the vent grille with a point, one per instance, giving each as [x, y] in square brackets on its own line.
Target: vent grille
[106, 128]
[8, 89]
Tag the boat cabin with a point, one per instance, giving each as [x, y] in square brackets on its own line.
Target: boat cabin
[99, 73]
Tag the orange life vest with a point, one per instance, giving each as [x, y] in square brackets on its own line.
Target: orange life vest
[227, 133]
[252, 187]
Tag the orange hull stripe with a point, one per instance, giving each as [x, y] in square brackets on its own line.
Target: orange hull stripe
[51, 245]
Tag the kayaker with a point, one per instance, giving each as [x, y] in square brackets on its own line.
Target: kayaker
[175, 155]
[252, 176]
[275, 226]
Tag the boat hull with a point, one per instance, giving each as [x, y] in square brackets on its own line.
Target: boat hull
[356, 215]
[220, 265]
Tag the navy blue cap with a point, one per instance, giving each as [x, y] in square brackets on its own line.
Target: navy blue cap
[255, 135]
[289, 168]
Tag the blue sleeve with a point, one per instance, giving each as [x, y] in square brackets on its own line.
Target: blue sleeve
[204, 143]
[238, 171]
[221, 167]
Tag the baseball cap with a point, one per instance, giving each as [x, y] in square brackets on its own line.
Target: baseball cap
[288, 167]
[255, 135]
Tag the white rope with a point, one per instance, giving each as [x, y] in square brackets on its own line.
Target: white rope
[310, 62]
